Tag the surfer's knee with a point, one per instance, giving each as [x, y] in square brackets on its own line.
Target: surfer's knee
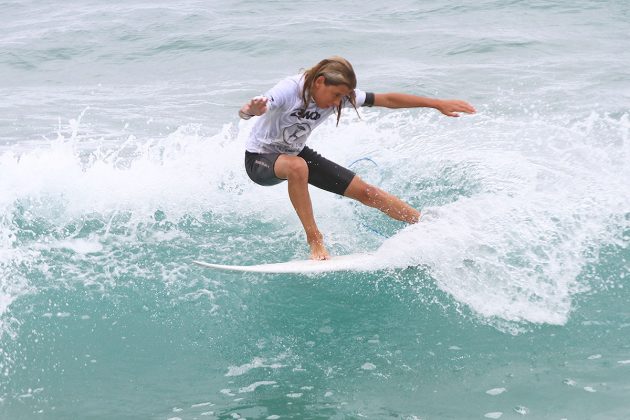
[297, 169]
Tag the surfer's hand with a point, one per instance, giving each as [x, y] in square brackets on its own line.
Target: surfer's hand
[451, 107]
[257, 106]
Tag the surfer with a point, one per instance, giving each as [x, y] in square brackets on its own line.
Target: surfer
[289, 111]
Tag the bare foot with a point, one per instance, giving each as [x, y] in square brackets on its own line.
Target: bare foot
[318, 250]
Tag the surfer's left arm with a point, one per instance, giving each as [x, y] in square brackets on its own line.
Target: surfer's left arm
[449, 107]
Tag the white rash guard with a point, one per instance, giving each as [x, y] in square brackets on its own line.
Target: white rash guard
[285, 126]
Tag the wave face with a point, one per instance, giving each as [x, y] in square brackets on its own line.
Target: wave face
[121, 162]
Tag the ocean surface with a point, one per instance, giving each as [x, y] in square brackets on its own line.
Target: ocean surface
[121, 162]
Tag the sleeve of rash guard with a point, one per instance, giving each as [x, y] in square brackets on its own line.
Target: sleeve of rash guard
[362, 98]
[279, 95]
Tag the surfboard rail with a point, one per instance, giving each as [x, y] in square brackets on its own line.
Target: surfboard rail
[350, 262]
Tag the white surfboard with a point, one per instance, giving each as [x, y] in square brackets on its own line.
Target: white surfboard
[351, 262]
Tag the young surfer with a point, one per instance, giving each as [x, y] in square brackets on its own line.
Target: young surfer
[291, 110]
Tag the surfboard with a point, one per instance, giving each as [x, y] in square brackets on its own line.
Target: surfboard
[350, 262]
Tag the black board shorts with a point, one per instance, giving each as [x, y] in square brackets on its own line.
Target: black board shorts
[322, 173]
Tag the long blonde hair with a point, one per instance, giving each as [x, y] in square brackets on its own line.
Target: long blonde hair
[336, 71]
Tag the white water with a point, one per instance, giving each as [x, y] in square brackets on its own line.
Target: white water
[514, 206]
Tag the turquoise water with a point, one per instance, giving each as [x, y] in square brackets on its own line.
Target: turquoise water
[121, 162]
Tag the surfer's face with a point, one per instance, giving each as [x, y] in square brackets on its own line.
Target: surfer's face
[326, 96]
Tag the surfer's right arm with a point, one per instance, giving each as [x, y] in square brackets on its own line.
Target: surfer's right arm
[256, 106]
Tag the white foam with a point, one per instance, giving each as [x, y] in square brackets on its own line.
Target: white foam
[252, 387]
[495, 391]
[522, 410]
[512, 249]
[368, 366]
[521, 201]
[80, 246]
[256, 363]
[176, 174]
[204, 404]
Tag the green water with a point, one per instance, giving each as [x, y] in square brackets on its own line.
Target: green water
[121, 162]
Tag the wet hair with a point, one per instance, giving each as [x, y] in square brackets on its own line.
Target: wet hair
[336, 71]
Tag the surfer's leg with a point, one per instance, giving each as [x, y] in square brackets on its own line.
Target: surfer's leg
[332, 177]
[295, 171]
[375, 197]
